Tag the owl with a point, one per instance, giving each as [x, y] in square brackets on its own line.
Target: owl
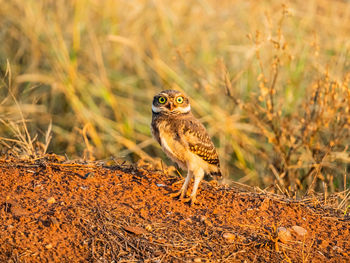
[184, 140]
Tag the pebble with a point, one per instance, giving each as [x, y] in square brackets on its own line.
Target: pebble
[204, 219]
[197, 260]
[339, 249]
[188, 220]
[228, 236]
[299, 230]
[51, 200]
[135, 230]
[49, 246]
[284, 234]
[149, 228]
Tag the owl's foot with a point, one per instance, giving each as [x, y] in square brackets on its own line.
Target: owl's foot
[191, 200]
[176, 194]
[180, 194]
[178, 182]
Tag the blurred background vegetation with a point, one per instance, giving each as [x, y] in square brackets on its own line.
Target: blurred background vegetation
[269, 81]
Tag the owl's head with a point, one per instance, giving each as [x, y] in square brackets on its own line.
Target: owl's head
[170, 102]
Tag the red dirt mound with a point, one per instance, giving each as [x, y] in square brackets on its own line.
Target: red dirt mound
[61, 212]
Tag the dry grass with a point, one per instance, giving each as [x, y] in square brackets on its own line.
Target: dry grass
[271, 82]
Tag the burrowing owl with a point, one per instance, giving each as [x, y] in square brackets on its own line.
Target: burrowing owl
[184, 139]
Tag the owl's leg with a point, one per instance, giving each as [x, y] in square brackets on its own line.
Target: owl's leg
[185, 185]
[198, 176]
[181, 194]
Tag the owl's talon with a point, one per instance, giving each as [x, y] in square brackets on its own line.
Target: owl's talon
[186, 200]
[176, 194]
[190, 200]
[178, 182]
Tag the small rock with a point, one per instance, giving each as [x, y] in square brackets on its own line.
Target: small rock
[339, 249]
[48, 246]
[51, 200]
[205, 220]
[229, 236]
[299, 230]
[135, 230]
[188, 220]
[149, 228]
[197, 260]
[284, 234]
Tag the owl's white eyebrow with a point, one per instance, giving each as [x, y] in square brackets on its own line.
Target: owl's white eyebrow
[183, 110]
[156, 109]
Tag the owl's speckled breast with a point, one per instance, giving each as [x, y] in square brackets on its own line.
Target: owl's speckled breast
[171, 145]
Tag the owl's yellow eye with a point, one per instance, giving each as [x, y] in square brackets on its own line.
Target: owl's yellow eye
[162, 100]
[179, 100]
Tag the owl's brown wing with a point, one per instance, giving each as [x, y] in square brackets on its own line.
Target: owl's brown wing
[199, 141]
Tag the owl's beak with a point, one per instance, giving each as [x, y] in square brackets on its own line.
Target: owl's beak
[170, 106]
